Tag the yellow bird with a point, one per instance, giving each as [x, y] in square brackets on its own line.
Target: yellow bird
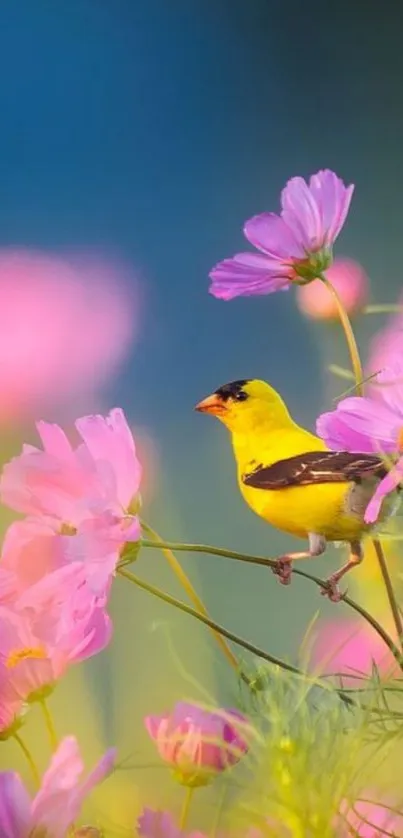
[290, 478]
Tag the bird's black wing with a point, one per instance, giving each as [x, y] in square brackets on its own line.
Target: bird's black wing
[315, 467]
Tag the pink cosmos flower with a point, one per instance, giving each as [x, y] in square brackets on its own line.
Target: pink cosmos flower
[59, 800]
[32, 549]
[197, 743]
[350, 648]
[66, 323]
[367, 425]
[88, 490]
[350, 281]
[56, 622]
[295, 246]
[156, 824]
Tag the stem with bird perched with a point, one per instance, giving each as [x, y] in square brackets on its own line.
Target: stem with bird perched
[260, 560]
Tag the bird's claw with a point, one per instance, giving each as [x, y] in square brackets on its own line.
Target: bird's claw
[332, 591]
[283, 569]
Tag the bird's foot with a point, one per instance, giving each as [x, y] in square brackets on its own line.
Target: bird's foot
[283, 569]
[331, 589]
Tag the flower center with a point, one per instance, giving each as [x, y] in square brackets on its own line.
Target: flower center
[67, 529]
[28, 653]
[400, 441]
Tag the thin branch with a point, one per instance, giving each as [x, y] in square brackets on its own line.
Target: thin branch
[181, 606]
[260, 560]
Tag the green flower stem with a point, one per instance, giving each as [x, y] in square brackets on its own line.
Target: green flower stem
[389, 589]
[49, 724]
[29, 758]
[348, 331]
[260, 560]
[192, 594]
[185, 808]
[356, 363]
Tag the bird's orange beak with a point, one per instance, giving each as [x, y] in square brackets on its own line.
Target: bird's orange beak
[212, 404]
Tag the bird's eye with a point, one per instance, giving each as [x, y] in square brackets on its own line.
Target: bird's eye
[241, 396]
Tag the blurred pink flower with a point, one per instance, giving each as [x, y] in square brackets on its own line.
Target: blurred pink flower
[295, 245]
[66, 323]
[386, 348]
[59, 800]
[153, 823]
[88, 491]
[370, 820]
[350, 281]
[367, 425]
[350, 648]
[56, 622]
[197, 743]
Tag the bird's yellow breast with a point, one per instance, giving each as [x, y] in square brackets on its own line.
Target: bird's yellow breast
[323, 508]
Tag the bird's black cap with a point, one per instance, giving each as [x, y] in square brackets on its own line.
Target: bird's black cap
[233, 389]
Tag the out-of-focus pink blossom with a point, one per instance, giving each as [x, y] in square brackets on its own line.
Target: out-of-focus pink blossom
[66, 323]
[153, 823]
[386, 348]
[197, 743]
[55, 622]
[89, 491]
[295, 246]
[370, 820]
[350, 648]
[58, 802]
[350, 281]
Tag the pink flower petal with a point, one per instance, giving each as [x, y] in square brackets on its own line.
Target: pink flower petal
[333, 199]
[15, 805]
[54, 440]
[111, 439]
[389, 483]
[270, 234]
[302, 215]
[359, 424]
[248, 274]
[59, 800]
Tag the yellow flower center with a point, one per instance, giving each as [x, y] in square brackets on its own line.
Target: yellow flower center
[29, 653]
[67, 529]
[400, 441]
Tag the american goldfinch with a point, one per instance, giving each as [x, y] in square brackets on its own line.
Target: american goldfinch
[290, 478]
